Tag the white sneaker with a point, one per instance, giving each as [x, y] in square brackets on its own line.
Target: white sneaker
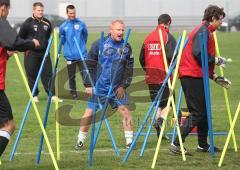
[35, 99]
[55, 98]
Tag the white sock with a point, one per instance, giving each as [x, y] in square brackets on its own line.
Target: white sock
[82, 136]
[128, 136]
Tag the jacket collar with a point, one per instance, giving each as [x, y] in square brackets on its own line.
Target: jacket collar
[209, 26]
[162, 27]
[72, 21]
[37, 18]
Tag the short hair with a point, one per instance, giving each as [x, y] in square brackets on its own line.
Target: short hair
[117, 21]
[213, 11]
[35, 4]
[70, 7]
[164, 19]
[5, 2]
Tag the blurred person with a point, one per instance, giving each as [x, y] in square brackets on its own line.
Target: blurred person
[9, 40]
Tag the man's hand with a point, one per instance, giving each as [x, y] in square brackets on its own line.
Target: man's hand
[10, 53]
[120, 92]
[36, 42]
[222, 62]
[222, 81]
[89, 91]
[26, 53]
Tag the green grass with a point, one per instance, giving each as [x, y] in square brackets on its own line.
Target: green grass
[104, 156]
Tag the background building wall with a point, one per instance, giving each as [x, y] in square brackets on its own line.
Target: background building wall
[136, 13]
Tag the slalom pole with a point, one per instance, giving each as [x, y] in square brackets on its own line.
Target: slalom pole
[204, 61]
[208, 96]
[183, 43]
[225, 93]
[229, 136]
[52, 80]
[29, 102]
[178, 112]
[55, 43]
[36, 112]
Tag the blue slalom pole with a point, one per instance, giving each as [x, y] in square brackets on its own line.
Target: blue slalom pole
[94, 111]
[52, 80]
[29, 102]
[151, 123]
[178, 113]
[110, 90]
[149, 111]
[156, 109]
[208, 99]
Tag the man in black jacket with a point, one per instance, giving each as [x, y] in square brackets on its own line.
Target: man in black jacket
[8, 41]
[40, 28]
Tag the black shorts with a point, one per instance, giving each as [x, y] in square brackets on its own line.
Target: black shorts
[5, 108]
[153, 90]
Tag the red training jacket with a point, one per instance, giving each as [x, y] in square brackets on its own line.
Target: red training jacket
[190, 64]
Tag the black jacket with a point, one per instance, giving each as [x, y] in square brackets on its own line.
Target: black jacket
[10, 40]
[38, 29]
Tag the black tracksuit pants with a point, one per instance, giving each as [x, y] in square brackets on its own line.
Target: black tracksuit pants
[193, 89]
[71, 67]
[32, 63]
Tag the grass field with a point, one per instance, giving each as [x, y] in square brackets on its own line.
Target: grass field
[104, 156]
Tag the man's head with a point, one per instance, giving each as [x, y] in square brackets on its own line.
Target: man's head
[214, 15]
[71, 12]
[165, 19]
[117, 29]
[38, 10]
[4, 8]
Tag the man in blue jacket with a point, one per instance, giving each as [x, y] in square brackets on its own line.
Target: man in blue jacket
[113, 59]
[71, 28]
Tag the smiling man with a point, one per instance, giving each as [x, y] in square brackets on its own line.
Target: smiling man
[71, 28]
[113, 58]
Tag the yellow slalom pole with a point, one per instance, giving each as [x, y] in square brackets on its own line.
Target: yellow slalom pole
[168, 104]
[229, 136]
[36, 111]
[225, 94]
[55, 42]
[171, 98]
[0, 162]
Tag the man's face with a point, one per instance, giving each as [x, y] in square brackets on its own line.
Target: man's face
[71, 13]
[117, 31]
[38, 11]
[4, 10]
[217, 23]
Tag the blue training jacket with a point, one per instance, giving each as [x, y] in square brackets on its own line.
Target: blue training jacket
[108, 63]
[68, 30]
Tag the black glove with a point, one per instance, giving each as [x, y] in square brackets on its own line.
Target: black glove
[222, 81]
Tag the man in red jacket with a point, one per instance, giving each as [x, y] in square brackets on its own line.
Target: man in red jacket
[190, 74]
[151, 59]
[8, 41]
